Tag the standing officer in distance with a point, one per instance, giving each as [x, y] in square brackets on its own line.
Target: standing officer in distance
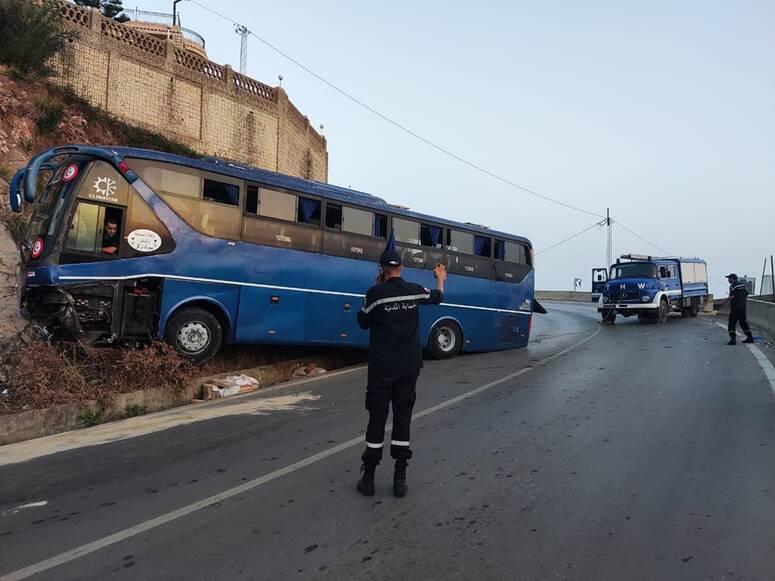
[391, 312]
[738, 296]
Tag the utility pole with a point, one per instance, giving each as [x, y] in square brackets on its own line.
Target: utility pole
[610, 244]
[243, 50]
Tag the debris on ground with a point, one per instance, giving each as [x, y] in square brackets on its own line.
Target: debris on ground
[307, 370]
[229, 385]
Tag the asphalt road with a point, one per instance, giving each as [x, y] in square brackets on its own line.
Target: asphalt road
[632, 452]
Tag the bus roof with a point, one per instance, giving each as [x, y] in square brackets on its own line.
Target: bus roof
[323, 190]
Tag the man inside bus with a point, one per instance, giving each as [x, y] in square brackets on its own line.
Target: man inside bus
[110, 239]
[391, 312]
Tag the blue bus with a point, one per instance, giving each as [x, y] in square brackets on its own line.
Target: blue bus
[126, 244]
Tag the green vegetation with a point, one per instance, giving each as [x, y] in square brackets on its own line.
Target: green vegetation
[30, 34]
[89, 417]
[134, 410]
[110, 8]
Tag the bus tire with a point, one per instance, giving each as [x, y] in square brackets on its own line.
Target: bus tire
[195, 333]
[445, 340]
[664, 311]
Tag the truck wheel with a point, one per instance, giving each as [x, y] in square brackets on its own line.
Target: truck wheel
[694, 309]
[686, 312]
[195, 334]
[663, 311]
[609, 316]
[445, 340]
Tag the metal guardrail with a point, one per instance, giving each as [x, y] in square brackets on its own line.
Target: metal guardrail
[164, 18]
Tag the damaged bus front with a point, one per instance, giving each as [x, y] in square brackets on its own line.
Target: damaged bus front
[88, 216]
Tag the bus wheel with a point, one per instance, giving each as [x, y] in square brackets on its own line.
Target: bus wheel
[446, 340]
[194, 333]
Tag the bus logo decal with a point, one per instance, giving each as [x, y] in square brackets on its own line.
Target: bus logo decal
[105, 188]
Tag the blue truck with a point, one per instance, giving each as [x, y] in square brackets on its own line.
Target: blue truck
[652, 287]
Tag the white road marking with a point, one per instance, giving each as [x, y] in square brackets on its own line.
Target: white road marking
[153, 523]
[37, 504]
[767, 367]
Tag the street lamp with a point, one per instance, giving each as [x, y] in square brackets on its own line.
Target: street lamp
[175, 12]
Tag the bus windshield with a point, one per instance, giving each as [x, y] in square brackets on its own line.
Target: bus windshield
[634, 270]
[49, 203]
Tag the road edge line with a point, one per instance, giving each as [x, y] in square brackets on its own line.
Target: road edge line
[767, 367]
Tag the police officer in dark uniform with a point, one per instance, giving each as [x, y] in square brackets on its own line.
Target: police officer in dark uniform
[391, 312]
[738, 297]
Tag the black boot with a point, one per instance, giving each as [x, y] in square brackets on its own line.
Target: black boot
[732, 339]
[748, 337]
[366, 484]
[399, 480]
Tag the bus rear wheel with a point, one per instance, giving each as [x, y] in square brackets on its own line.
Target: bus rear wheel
[446, 340]
[195, 333]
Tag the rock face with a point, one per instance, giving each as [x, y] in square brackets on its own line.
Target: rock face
[12, 322]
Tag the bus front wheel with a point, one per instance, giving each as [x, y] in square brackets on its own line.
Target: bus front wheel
[195, 334]
[446, 340]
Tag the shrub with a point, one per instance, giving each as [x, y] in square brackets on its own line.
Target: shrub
[89, 417]
[134, 410]
[50, 114]
[30, 34]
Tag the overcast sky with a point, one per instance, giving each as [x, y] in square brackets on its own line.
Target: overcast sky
[662, 110]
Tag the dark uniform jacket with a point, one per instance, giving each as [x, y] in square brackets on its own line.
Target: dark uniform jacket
[391, 311]
[738, 296]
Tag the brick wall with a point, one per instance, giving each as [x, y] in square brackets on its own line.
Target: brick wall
[164, 88]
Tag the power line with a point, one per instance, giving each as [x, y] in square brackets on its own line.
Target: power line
[642, 238]
[569, 238]
[402, 127]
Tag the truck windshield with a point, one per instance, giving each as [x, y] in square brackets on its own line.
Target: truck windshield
[634, 270]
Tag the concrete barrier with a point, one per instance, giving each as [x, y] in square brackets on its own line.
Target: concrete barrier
[581, 297]
[762, 314]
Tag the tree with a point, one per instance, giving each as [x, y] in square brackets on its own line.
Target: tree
[30, 34]
[110, 8]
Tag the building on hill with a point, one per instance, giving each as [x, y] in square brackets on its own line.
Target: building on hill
[155, 76]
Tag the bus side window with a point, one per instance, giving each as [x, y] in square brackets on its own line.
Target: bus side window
[482, 246]
[334, 216]
[308, 211]
[380, 226]
[95, 229]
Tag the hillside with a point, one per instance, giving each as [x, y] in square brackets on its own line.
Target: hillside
[35, 115]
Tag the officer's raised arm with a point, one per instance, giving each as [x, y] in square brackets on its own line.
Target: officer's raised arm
[436, 295]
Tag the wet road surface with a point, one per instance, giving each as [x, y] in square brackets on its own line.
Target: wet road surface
[604, 453]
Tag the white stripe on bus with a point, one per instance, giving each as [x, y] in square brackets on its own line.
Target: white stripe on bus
[271, 287]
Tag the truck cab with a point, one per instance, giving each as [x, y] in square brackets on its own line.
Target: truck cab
[653, 287]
